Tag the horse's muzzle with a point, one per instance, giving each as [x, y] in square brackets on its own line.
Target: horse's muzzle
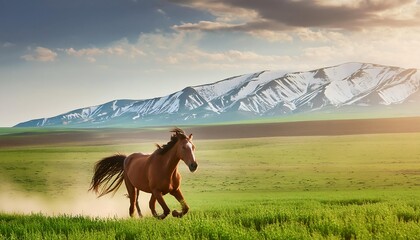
[193, 166]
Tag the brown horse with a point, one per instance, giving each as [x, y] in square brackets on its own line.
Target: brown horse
[155, 173]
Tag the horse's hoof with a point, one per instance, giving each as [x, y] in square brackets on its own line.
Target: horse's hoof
[160, 217]
[175, 213]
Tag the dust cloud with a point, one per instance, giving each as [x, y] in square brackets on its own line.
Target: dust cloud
[76, 203]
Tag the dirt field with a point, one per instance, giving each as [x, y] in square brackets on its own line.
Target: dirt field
[308, 128]
[311, 128]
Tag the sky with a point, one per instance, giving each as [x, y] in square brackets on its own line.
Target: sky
[61, 55]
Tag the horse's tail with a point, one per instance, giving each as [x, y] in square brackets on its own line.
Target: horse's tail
[108, 173]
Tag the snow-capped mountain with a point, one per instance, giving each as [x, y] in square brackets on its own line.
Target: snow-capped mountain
[263, 94]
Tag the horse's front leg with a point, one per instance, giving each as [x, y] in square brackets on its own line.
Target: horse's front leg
[156, 195]
[178, 195]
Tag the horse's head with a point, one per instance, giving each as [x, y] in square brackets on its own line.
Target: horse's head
[186, 151]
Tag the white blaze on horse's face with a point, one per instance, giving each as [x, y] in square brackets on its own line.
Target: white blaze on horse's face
[187, 153]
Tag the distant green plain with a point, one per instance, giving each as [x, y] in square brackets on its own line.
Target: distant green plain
[333, 187]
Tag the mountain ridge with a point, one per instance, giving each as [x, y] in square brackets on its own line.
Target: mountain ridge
[255, 95]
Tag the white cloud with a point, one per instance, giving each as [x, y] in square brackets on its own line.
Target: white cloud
[310, 35]
[41, 54]
[180, 50]
[192, 57]
[166, 41]
[206, 26]
[301, 49]
[223, 12]
[160, 11]
[88, 52]
[120, 48]
[395, 47]
[272, 36]
[7, 45]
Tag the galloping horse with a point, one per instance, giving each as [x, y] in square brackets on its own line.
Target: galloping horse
[155, 173]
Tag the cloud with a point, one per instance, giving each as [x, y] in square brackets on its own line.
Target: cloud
[7, 45]
[271, 36]
[120, 48]
[182, 50]
[206, 26]
[225, 58]
[160, 11]
[308, 35]
[396, 48]
[89, 52]
[318, 48]
[289, 15]
[41, 54]
[176, 50]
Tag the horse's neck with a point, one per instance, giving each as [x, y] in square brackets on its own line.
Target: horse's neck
[171, 161]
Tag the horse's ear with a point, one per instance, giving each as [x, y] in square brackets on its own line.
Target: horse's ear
[190, 137]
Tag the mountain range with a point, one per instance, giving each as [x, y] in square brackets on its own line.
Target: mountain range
[346, 88]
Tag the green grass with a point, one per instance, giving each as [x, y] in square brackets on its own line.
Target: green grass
[270, 219]
[335, 187]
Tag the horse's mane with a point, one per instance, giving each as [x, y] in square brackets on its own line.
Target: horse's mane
[177, 134]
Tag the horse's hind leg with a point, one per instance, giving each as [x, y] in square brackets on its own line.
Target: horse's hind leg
[131, 195]
[137, 204]
[152, 205]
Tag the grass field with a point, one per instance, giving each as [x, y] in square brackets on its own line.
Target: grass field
[334, 187]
